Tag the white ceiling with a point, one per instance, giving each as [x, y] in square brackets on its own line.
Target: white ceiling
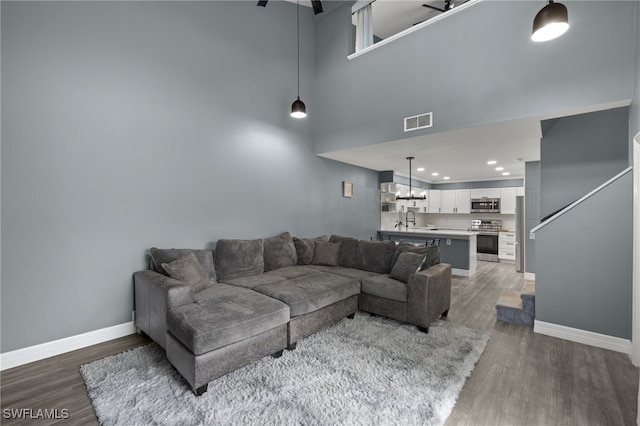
[392, 16]
[461, 154]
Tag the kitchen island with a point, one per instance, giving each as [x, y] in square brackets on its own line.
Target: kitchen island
[457, 246]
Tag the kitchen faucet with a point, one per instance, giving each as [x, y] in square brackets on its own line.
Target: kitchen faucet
[413, 219]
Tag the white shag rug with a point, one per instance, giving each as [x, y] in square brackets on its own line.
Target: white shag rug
[365, 371]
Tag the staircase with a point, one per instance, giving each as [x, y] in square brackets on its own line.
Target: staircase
[518, 307]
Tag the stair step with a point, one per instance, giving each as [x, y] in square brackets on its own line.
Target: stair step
[510, 299]
[529, 288]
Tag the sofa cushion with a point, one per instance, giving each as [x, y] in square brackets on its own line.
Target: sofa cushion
[348, 249]
[279, 251]
[188, 270]
[160, 256]
[304, 248]
[345, 272]
[385, 287]
[311, 292]
[432, 253]
[293, 271]
[407, 264]
[325, 253]
[251, 281]
[239, 258]
[224, 314]
[375, 256]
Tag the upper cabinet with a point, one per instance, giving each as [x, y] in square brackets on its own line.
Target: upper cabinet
[485, 193]
[508, 200]
[455, 201]
[435, 201]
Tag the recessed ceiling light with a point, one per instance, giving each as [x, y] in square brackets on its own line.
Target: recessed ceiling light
[505, 173]
[435, 174]
[491, 162]
[499, 169]
[421, 169]
[446, 178]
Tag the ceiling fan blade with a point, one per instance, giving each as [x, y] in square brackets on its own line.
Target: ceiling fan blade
[262, 3]
[317, 6]
[433, 7]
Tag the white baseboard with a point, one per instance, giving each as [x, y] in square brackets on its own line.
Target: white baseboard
[603, 341]
[529, 276]
[68, 344]
[460, 272]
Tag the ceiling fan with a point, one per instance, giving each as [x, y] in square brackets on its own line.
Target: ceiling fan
[448, 5]
[316, 4]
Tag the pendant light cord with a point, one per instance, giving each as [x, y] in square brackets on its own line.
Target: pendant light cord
[298, 11]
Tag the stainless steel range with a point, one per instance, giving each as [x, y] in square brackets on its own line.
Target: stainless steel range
[487, 240]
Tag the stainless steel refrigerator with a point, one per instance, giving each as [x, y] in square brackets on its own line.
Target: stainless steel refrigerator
[520, 237]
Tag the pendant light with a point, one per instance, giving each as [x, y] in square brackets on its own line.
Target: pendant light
[411, 196]
[551, 21]
[298, 109]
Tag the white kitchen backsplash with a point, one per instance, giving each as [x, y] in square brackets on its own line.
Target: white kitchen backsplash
[463, 221]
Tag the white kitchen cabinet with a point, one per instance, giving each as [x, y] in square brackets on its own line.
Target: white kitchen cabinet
[508, 200]
[455, 201]
[434, 200]
[507, 246]
[520, 191]
[485, 193]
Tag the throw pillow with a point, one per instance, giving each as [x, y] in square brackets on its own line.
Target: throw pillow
[326, 254]
[407, 264]
[239, 258]
[279, 251]
[160, 256]
[188, 270]
[375, 256]
[348, 249]
[305, 247]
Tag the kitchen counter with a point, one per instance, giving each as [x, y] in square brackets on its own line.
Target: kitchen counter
[436, 232]
[457, 246]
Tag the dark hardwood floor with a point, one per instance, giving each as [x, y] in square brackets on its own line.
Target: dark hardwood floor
[522, 378]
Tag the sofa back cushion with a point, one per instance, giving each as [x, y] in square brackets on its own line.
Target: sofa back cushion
[239, 258]
[305, 248]
[348, 250]
[188, 270]
[432, 253]
[326, 253]
[279, 251]
[375, 256]
[160, 256]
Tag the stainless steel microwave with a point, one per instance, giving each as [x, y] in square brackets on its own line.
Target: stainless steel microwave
[485, 205]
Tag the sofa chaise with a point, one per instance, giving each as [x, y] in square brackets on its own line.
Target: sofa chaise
[214, 311]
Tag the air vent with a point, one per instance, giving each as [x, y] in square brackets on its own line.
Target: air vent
[416, 122]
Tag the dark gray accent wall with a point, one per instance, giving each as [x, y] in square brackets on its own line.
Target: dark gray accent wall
[581, 152]
[586, 281]
[127, 125]
[532, 212]
[475, 67]
[507, 183]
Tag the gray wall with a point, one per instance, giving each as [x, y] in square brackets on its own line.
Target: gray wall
[634, 113]
[128, 125]
[532, 212]
[579, 153]
[586, 279]
[470, 71]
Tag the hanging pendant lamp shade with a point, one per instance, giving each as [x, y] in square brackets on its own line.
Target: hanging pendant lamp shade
[552, 21]
[298, 109]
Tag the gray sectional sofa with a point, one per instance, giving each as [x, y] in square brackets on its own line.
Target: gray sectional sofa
[214, 311]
